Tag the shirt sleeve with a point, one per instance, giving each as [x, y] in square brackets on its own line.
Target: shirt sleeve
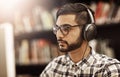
[112, 70]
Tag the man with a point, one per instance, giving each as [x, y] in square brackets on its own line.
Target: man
[74, 29]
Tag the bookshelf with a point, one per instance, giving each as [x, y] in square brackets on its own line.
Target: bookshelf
[38, 30]
[36, 35]
[108, 31]
[111, 33]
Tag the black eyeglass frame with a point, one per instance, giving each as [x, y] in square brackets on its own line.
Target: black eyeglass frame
[62, 27]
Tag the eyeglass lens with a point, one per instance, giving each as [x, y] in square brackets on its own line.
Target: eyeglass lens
[63, 28]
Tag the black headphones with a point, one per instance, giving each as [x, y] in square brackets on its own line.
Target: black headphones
[89, 30]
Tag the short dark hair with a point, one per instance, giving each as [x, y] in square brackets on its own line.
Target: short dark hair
[82, 16]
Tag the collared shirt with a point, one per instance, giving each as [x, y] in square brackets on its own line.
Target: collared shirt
[95, 65]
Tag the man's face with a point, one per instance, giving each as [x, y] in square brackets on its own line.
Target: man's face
[72, 39]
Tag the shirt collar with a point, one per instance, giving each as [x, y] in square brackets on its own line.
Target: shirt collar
[87, 61]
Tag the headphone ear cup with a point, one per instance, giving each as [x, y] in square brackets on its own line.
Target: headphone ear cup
[89, 32]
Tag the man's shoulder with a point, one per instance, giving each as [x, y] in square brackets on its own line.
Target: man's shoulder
[111, 66]
[106, 60]
[111, 62]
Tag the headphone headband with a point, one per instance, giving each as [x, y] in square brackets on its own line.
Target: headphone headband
[90, 13]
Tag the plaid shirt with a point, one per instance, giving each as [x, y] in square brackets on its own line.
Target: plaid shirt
[95, 65]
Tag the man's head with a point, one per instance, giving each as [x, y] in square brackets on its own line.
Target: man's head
[70, 25]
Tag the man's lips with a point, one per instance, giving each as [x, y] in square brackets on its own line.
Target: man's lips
[60, 42]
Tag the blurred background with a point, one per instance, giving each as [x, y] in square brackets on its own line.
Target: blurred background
[34, 44]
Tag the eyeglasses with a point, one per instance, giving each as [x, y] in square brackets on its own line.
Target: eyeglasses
[63, 28]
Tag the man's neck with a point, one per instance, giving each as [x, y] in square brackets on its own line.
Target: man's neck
[78, 54]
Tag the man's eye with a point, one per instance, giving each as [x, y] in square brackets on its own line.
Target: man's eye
[67, 28]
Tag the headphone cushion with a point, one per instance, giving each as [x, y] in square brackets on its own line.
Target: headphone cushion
[89, 32]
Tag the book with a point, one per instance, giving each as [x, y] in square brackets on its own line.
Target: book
[117, 16]
[34, 52]
[24, 52]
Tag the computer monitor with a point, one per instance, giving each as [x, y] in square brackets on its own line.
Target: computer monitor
[7, 54]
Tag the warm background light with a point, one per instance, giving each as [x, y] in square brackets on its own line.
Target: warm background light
[8, 4]
[9, 7]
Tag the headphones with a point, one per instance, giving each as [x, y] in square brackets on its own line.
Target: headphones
[89, 30]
